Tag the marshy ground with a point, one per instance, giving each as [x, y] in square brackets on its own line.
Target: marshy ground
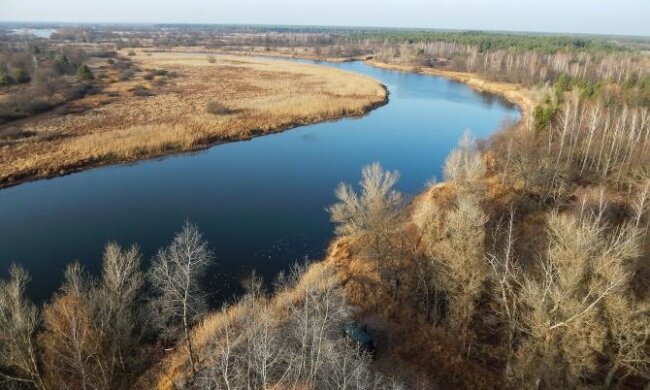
[178, 102]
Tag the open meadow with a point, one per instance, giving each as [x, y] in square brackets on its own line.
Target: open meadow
[178, 102]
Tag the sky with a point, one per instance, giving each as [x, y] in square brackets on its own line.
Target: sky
[623, 17]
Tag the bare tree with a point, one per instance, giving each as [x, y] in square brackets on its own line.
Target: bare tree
[319, 315]
[465, 166]
[72, 345]
[371, 211]
[292, 340]
[372, 216]
[116, 303]
[640, 204]
[457, 251]
[19, 353]
[429, 219]
[222, 370]
[630, 332]
[585, 281]
[175, 276]
[507, 278]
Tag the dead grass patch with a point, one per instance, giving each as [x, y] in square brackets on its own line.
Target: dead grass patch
[124, 123]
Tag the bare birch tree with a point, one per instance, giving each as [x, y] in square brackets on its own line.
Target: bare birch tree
[507, 277]
[465, 166]
[372, 217]
[175, 277]
[116, 303]
[461, 256]
[292, 343]
[19, 352]
[72, 347]
[585, 281]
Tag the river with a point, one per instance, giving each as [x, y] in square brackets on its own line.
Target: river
[260, 203]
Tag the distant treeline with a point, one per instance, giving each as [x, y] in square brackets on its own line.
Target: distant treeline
[488, 41]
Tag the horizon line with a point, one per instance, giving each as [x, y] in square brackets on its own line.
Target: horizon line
[442, 29]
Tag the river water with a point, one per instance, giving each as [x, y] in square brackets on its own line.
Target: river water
[260, 203]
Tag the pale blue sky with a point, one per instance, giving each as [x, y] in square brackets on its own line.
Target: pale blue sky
[631, 17]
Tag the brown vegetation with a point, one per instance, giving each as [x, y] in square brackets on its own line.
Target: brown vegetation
[291, 340]
[177, 112]
[527, 268]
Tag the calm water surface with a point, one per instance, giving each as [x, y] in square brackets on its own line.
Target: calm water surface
[260, 203]
[37, 32]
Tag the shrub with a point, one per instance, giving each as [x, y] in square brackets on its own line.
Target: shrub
[61, 64]
[20, 75]
[211, 59]
[217, 108]
[21, 106]
[84, 73]
[126, 75]
[563, 83]
[15, 133]
[140, 90]
[5, 79]
[544, 115]
[103, 54]
[45, 82]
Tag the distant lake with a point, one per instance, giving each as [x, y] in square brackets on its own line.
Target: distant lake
[260, 203]
[38, 32]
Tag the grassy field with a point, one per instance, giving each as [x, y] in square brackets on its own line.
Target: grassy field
[525, 98]
[180, 102]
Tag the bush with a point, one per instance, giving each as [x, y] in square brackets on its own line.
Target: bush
[563, 83]
[140, 90]
[211, 59]
[20, 75]
[103, 54]
[21, 106]
[45, 82]
[61, 64]
[126, 75]
[84, 73]
[217, 108]
[5, 79]
[544, 114]
[15, 133]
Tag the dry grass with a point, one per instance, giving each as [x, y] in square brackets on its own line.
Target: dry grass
[263, 96]
[409, 346]
[301, 52]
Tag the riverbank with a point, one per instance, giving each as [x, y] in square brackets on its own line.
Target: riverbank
[180, 103]
[525, 99]
[410, 345]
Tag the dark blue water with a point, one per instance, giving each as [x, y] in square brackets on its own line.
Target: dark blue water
[260, 203]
